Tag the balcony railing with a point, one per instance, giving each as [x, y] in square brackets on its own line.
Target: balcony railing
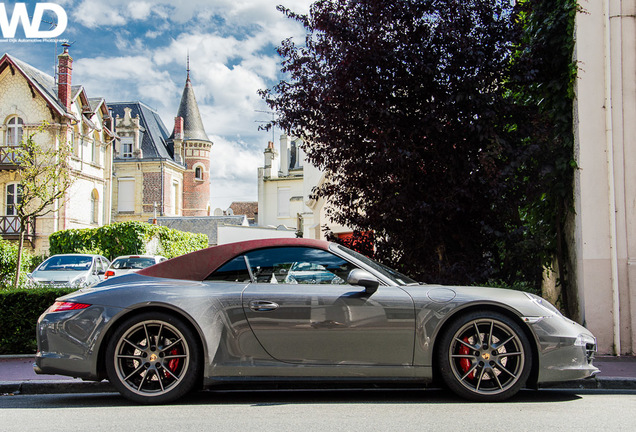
[8, 157]
[10, 228]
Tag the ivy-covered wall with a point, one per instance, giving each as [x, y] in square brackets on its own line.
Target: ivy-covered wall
[127, 238]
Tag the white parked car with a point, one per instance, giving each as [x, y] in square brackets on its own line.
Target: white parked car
[70, 270]
[129, 263]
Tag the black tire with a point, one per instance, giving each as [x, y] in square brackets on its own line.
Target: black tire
[484, 356]
[153, 358]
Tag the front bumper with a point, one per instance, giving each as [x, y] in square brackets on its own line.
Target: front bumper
[566, 350]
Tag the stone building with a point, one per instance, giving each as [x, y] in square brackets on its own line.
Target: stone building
[30, 98]
[157, 174]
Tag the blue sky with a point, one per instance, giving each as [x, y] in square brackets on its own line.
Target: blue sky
[136, 50]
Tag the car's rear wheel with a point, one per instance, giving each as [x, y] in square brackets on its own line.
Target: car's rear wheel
[153, 358]
[484, 356]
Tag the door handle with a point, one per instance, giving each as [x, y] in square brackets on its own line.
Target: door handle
[263, 305]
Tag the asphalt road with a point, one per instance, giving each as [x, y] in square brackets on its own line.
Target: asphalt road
[306, 411]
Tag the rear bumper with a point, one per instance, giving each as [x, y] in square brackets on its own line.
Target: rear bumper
[68, 341]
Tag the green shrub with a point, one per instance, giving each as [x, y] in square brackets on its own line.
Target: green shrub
[21, 309]
[127, 238]
[8, 259]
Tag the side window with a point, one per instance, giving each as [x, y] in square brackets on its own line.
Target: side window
[298, 265]
[232, 271]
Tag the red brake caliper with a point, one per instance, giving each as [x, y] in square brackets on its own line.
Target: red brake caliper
[464, 363]
[174, 363]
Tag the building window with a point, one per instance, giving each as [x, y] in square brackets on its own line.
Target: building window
[14, 197]
[126, 195]
[127, 147]
[175, 197]
[284, 195]
[94, 206]
[198, 173]
[14, 131]
[96, 148]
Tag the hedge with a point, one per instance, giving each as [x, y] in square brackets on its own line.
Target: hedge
[21, 309]
[127, 238]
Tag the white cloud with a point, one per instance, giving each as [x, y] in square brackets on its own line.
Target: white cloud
[124, 79]
[139, 10]
[96, 13]
[232, 181]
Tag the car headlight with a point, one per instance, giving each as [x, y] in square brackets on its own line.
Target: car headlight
[78, 282]
[544, 304]
[584, 340]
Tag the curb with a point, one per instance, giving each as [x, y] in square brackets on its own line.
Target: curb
[66, 387]
[596, 383]
[54, 387]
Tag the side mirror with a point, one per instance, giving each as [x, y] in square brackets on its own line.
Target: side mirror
[363, 278]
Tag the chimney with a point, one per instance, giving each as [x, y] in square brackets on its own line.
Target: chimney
[178, 128]
[65, 68]
[284, 155]
[269, 157]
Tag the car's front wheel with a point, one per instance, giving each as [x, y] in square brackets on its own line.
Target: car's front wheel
[153, 358]
[484, 356]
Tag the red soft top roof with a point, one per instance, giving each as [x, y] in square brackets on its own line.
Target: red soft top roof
[198, 265]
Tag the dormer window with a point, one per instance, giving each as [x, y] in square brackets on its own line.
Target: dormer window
[127, 147]
[14, 131]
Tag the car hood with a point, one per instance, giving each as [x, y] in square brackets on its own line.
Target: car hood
[58, 275]
[524, 304]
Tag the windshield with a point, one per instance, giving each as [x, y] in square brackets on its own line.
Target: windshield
[132, 263]
[66, 263]
[388, 272]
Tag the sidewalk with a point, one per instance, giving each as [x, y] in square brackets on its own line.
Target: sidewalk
[17, 377]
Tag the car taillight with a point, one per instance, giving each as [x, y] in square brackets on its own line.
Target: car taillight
[66, 306]
[109, 273]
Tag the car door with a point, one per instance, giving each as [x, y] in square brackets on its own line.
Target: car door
[301, 310]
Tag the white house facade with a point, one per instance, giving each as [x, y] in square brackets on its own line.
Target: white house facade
[605, 182]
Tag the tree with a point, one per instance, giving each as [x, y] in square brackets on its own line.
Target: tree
[406, 105]
[45, 177]
[547, 50]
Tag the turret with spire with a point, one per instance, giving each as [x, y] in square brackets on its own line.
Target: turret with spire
[191, 147]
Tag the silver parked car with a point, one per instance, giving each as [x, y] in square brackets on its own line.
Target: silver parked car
[226, 314]
[129, 263]
[70, 270]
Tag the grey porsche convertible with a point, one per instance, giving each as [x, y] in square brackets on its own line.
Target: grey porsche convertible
[294, 311]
